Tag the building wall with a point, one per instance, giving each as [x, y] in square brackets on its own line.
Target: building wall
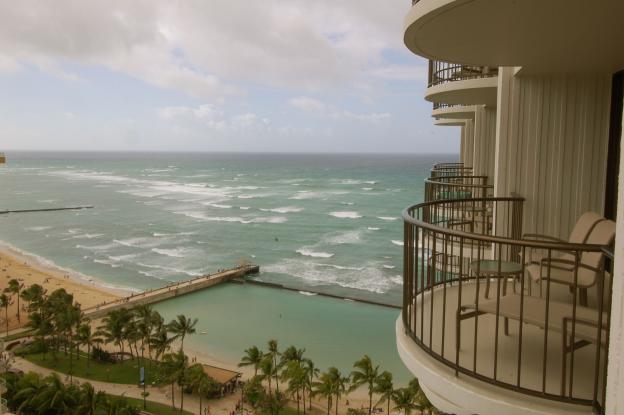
[484, 142]
[551, 146]
[615, 372]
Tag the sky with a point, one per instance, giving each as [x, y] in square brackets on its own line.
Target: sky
[213, 75]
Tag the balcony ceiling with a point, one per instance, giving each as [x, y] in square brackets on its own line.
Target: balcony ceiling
[450, 123]
[463, 112]
[539, 35]
[480, 91]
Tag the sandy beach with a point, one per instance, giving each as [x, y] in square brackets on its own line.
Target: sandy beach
[28, 269]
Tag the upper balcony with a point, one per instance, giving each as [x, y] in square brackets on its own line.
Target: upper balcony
[496, 322]
[455, 84]
[540, 36]
[453, 111]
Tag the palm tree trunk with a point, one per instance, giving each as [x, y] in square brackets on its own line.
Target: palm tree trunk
[328, 405]
[200, 404]
[18, 307]
[88, 355]
[181, 398]
[388, 406]
[298, 399]
[303, 399]
[370, 402]
[337, 399]
[172, 396]
[6, 315]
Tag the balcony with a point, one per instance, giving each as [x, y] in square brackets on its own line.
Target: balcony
[481, 332]
[457, 187]
[455, 84]
[539, 36]
[450, 169]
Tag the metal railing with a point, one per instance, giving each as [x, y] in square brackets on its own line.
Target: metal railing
[457, 187]
[450, 169]
[550, 345]
[441, 72]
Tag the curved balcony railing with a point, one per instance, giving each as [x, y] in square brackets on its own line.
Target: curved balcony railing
[442, 72]
[457, 187]
[471, 301]
[450, 169]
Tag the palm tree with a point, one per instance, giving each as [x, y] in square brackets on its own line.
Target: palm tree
[55, 396]
[365, 374]
[295, 374]
[180, 327]
[311, 374]
[385, 388]
[5, 301]
[339, 384]
[273, 353]
[404, 400]
[113, 329]
[174, 366]
[86, 337]
[253, 357]
[267, 370]
[89, 400]
[15, 287]
[34, 296]
[160, 343]
[199, 382]
[325, 388]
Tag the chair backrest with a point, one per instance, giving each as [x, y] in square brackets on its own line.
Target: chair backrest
[603, 233]
[583, 227]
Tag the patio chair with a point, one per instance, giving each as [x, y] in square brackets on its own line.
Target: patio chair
[580, 271]
[583, 227]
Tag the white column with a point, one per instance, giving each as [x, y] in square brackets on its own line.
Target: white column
[615, 372]
[468, 136]
[484, 142]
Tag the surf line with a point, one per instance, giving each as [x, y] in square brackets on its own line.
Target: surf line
[4, 212]
[322, 294]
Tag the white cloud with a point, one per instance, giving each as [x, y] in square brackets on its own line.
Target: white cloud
[208, 116]
[205, 49]
[319, 108]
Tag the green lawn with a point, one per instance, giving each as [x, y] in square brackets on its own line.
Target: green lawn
[156, 408]
[126, 372]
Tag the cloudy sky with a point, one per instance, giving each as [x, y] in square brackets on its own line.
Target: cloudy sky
[213, 75]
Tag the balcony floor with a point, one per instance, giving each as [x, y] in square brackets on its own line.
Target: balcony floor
[507, 363]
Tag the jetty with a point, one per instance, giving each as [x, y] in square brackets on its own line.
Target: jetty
[319, 293]
[172, 290]
[4, 212]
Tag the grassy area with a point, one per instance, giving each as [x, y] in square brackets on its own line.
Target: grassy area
[156, 408]
[126, 372]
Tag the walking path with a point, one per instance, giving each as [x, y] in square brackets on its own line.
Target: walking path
[156, 394]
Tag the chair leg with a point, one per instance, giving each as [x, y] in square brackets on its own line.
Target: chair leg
[506, 326]
[583, 296]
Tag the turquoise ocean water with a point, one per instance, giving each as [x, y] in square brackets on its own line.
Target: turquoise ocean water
[326, 223]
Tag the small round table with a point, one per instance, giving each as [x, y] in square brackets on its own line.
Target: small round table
[499, 269]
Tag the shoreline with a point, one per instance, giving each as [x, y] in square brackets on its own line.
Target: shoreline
[30, 268]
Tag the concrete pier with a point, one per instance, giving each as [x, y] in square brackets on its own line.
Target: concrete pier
[172, 290]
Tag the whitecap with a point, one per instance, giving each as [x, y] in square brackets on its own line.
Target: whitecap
[345, 215]
[388, 218]
[372, 228]
[367, 188]
[308, 252]
[175, 252]
[399, 243]
[285, 209]
[389, 266]
[38, 228]
[349, 237]
[307, 293]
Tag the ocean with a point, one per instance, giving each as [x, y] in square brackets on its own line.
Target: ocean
[315, 222]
